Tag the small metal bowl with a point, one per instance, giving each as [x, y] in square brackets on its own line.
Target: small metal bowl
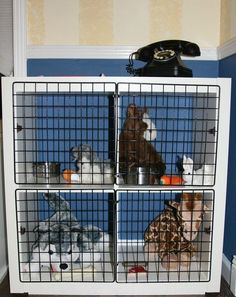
[140, 176]
[46, 169]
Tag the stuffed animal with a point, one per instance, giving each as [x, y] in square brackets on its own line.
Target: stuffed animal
[91, 170]
[151, 133]
[62, 241]
[172, 233]
[93, 244]
[134, 150]
[45, 256]
[202, 176]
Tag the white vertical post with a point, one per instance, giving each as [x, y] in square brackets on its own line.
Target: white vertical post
[19, 37]
[233, 277]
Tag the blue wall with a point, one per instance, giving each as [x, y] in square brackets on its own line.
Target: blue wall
[227, 68]
[109, 67]
[223, 68]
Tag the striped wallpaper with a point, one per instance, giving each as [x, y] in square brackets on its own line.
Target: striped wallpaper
[129, 22]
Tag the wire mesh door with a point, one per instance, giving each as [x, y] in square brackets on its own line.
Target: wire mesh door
[166, 131]
[64, 132]
[164, 236]
[65, 235]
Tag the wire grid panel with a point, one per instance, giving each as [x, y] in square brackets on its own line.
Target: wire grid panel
[159, 124]
[64, 132]
[164, 236]
[65, 236]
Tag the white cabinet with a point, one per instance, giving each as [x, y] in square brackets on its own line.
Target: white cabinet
[77, 214]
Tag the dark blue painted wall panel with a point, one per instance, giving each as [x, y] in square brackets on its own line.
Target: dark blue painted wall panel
[76, 67]
[109, 67]
[227, 68]
[203, 68]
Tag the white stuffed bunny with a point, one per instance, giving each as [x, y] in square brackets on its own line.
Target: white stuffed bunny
[91, 169]
[201, 176]
[151, 132]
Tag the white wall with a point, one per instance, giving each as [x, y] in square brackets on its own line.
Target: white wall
[6, 68]
[3, 251]
[6, 44]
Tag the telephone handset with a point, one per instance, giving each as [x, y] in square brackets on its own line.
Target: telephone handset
[164, 58]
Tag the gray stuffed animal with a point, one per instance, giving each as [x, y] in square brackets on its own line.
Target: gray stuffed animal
[62, 241]
[92, 170]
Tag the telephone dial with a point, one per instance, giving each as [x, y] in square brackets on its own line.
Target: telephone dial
[163, 58]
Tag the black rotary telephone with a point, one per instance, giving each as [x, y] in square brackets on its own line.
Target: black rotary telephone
[164, 58]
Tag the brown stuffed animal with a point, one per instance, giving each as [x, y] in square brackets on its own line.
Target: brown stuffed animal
[134, 149]
[171, 234]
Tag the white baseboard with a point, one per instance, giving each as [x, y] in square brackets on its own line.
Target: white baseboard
[3, 273]
[226, 269]
[229, 273]
[233, 277]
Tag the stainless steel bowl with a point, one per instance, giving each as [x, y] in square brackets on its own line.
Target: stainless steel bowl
[46, 169]
[140, 176]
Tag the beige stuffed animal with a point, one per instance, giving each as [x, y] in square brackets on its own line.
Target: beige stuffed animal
[171, 234]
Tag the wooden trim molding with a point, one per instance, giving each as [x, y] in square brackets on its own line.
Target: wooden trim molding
[19, 37]
[227, 49]
[98, 52]
[118, 52]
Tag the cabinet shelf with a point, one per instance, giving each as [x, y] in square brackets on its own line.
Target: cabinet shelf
[86, 220]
